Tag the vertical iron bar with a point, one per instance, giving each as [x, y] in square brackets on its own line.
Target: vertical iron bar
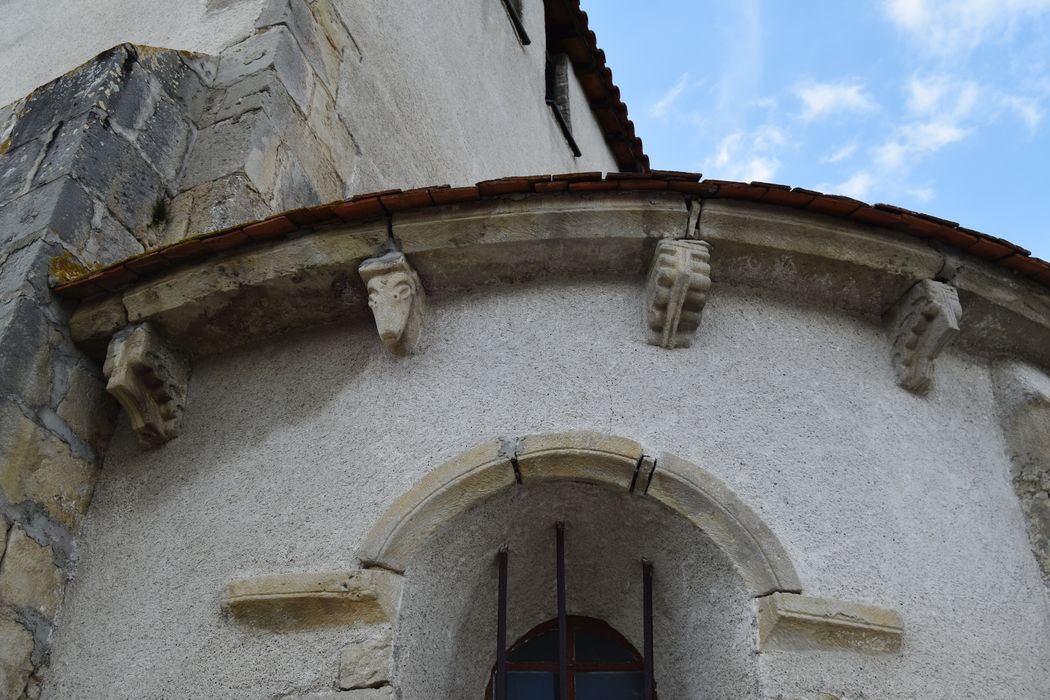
[501, 630]
[648, 678]
[563, 627]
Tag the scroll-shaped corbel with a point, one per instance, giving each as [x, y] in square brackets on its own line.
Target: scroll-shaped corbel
[676, 292]
[396, 298]
[148, 377]
[923, 322]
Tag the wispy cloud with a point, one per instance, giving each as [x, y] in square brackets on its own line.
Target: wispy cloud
[840, 154]
[824, 99]
[748, 156]
[660, 108]
[951, 27]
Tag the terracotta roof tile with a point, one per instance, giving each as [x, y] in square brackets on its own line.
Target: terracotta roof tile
[271, 228]
[381, 204]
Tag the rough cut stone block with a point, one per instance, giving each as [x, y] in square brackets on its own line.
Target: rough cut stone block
[923, 322]
[307, 600]
[319, 52]
[470, 478]
[676, 292]
[29, 577]
[35, 465]
[165, 139]
[580, 456]
[246, 144]
[274, 47]
[26, 350]
[213, 206]
[105, 164]
[94, 323]
[262, 90]
[16, 650]
[86, 408]
[149, 378]
[791, 622]
[17, 166]
[181, 75]
[330, 130]
[367, 663]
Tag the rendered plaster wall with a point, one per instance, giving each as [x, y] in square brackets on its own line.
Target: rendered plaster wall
[291, 450]
[43, 40]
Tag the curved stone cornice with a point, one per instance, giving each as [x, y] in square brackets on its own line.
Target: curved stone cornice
[308, 276]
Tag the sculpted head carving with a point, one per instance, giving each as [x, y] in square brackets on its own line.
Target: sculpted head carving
[396, 298]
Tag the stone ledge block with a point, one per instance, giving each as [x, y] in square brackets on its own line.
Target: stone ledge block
[579, 456]
[790, 622]
[285, 602]
[384, 693]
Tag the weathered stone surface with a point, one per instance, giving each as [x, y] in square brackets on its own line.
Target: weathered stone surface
[384, 693]
[247, 144]
[16, 649]
[106, 164]
[212, 206]
[180, 74]
[17, 167]
[580, 456]
[29, 577]
[149, 378]
[26, 351]
[468, 479]
[397, 300]
[366, 663]
[293, 189]
[470, 245]
[676, 292]
[37, 466]
[841, 264]
[321, 54]
[307, 600]
[165, 139]
[706, 501]
[922, 323]
[230, 300]
[314, 158]
[259, 91]
[274, 47]
[790, 622]
[325, 123]
[86, 407]
[95, 322]
[1023, 396]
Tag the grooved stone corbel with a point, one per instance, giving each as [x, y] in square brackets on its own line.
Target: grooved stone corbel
[397, 300]
[676, 292]
[148, 377]
[922, 322]
[793, 622]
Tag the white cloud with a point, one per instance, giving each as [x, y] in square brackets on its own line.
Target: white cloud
[660, 108]
[823, 99]
[858, 186]
[840, 154]
[1026, 109]
[747, 156]
[950, 27]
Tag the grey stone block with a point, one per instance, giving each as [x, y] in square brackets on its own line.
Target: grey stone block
[16, 169]
[247, 144]
[225, 202]
[132, 102]
[165, 139]
[294, 189]
[70, 95]
[262, 90]
[277, 48]
[105, 164]
[23, 271]
[25, 351]
[61, 206]
[322, 56]
[181, 75]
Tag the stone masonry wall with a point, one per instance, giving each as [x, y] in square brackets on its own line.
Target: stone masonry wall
[86, 165]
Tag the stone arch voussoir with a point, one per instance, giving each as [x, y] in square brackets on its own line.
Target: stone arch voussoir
[685, 488]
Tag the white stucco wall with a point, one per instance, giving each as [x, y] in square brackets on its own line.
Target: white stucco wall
[43, 39]
[291, 450]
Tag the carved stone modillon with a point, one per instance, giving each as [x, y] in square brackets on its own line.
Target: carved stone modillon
[396, 298]
[148, 377]
[676, 292]
[923, 322]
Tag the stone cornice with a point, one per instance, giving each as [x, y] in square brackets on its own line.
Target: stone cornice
[308, 276]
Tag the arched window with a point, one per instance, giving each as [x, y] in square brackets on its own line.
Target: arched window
[602, 664]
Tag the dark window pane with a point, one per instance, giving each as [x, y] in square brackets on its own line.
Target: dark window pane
[609, 686]
[543, 647]
[532, 685]
[595, 647]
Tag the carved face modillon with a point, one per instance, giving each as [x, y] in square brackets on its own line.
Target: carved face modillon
[391, 298]
[396, 299]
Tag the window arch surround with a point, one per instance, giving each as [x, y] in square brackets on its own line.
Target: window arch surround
[602, 663]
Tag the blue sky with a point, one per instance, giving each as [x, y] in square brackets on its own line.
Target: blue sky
[938, 106]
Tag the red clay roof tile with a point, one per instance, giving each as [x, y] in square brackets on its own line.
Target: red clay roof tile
[271, 228]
